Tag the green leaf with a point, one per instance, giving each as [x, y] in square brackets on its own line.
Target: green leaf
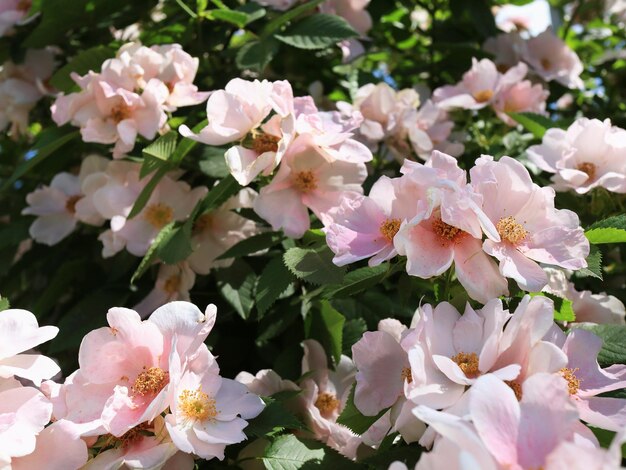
[613, 343]
[534, 123]
[317, 32]
[354, 419]
[57, 18]
[314, 265]
[48, 142]
[255, 55]
[352, 332]
[594, 264]
[213, 163]
[237, 283]
[287, 452]
[83, 62]
[186, 145]
[357, 281]
[4, 304]
[163, 147]
[611, 230]
[274, 419]
[176, 246]
[326, 326]
[151, 255]
[238, 18]
[218, 195]
[259, 242]
[286, 17]
[273, 281]
[157, 153]
[146, 192]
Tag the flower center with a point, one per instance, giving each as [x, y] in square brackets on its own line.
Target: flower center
[265, 143]
[70, 204]
[327, 403]
[172, 284]
[588, 168]
[406, 374]
[201, 224]
[573, 382]
[468, 362]
[150, 382]
[483, 96]
[195, 404]
[159, 214]
[389, 228]
[516, 387]
[446, 232]
[305, 181]
[24, 5]
[510, 230]
[546, 63]
[120, 112]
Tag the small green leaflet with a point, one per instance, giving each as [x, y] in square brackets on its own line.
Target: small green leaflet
[317, 32]
[314, 265]
[611, 230]
[534, 123]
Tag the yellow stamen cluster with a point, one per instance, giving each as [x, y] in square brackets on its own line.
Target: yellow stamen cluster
[573, 382]
[195, 404]
[120, 112]
[172, 284]
[265, 143]
[406, 374]
[24, 5]
[159, 214]
[483, 96]
[70, 204]
[202, 223]
[150, 382]
[327, 403]
[305, 181]
[468, 362]
[510, 230]
[446, 232]
[546, 63]
[389, 228]
[516, 387]
[589, 168]
[132, 435]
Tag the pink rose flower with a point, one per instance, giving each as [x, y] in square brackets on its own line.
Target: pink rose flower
[589, 154]
[324, 393]
[11, 13]
[552, 59]
[531, 229]
[209, 412]
[24, 412]
[19, 332]
[307, 179]
[479, 87]
[521, 97]
[58, 447]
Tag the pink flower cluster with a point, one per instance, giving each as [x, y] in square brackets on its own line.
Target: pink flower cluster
[130, 95]
[316, 161]
[434, 217]
[22, 86]
[498, 388]
[588, 155]
[548, 57]
[25, 441]
[393, 118]
[146, 394]
[484, 85]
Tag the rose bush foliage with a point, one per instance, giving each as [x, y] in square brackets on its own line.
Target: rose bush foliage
[284, 234]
